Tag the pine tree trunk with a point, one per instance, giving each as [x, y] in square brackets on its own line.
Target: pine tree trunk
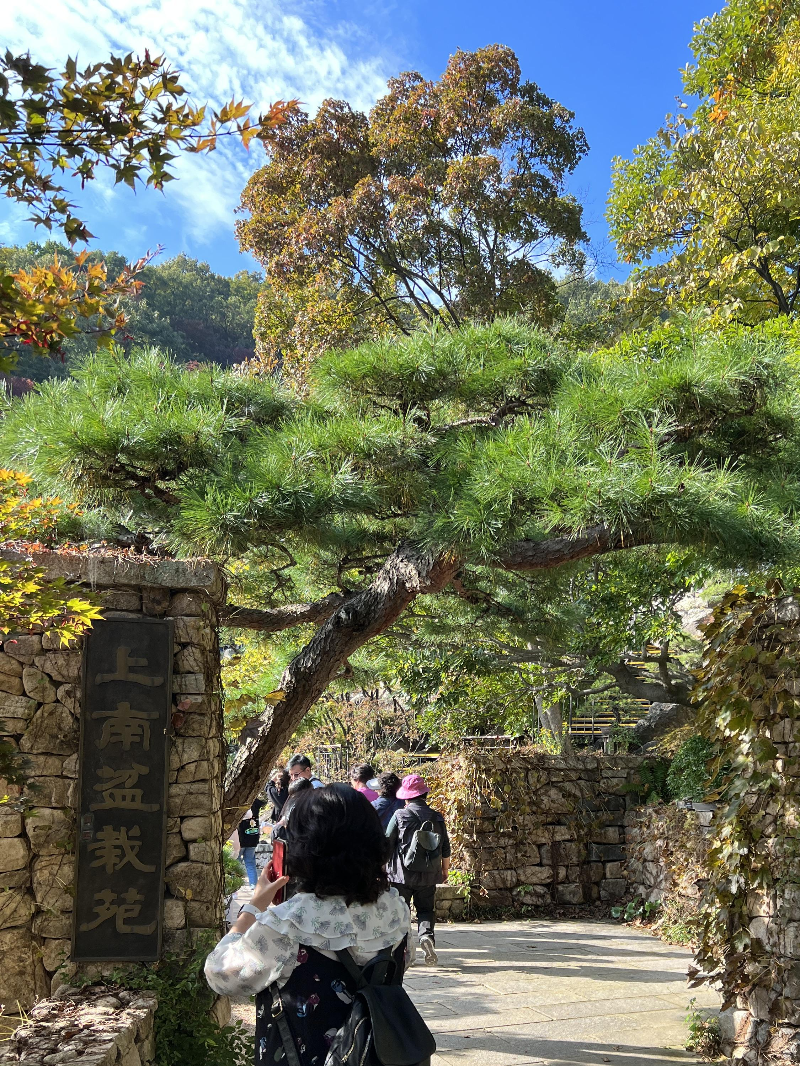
[405, 575]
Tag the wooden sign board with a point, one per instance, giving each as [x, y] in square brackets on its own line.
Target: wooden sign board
[123, 776]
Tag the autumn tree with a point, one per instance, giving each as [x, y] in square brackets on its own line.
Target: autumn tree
[127, 115]
[447, 202]
[28, 599]
[707, 209]
[412, 463]
[181, 306]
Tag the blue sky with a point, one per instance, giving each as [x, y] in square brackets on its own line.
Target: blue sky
[617, 65]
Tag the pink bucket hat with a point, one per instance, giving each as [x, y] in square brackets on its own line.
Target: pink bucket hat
[412, 786]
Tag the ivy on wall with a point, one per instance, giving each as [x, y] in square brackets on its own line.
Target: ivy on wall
[672, 839]
[746, 689]
[472, 788]
[504, 797]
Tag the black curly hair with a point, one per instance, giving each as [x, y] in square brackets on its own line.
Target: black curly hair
[388, 784]
[336, 845]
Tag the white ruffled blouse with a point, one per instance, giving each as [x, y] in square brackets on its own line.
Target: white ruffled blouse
[243, 964]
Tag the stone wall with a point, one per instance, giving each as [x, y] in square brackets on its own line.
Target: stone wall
[450, 902]
[666, 849]
[763, 1027]
[40, 687]
[559, 836]
[90, 1026]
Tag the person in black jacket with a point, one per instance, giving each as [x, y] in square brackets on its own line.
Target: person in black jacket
[278, 791]
[249, 834]
[412, 884]
[387, 802]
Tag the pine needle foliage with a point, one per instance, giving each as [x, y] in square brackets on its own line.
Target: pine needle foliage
[459, 441]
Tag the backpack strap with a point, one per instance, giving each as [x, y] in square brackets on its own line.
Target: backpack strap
[279, 1017]
[380, 962]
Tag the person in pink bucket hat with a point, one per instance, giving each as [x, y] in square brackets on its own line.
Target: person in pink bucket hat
[420, 857]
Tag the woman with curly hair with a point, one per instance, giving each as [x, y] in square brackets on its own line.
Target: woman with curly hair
[387, 802]
[336, 850]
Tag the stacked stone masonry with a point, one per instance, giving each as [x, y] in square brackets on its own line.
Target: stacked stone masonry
[667, 860]
[450, 902]
[93, 1027]
[40, 687]
[764, 1026]
[569, 848]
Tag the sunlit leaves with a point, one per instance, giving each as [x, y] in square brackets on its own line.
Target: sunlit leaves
[446, 203]
[708, 208]
[42, 307]
[27, 598]
[127, 115]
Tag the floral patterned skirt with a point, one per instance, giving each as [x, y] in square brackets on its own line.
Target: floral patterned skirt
[316, 1001]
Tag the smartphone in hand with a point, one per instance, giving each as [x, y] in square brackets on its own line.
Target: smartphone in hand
[278, 867]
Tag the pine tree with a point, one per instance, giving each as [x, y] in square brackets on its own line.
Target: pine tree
[410, 463]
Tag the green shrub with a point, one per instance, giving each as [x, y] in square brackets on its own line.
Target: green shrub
[637, 908]
[688, 775]
[623, 738]
[460, 878]
[704, 1033]
[652, 786]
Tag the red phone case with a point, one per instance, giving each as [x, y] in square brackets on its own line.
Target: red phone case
[278, 861]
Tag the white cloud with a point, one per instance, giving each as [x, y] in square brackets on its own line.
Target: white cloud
[250, 49]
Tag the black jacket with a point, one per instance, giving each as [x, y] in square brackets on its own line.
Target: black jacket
[278, 796]
[401, 829]
[249, 831]
[386, 808]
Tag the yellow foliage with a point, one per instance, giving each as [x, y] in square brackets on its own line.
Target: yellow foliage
[42, 308]
[27, 599]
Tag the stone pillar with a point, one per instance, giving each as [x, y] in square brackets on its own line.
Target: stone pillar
[40, 686]
[764, 1025]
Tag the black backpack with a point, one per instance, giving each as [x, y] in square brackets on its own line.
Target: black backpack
[384, 1028]
[424, 850]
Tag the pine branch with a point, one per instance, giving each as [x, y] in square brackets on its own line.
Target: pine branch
[557, 551]
[478, 597]
[493, 420]
[406, 574]
[279, 618]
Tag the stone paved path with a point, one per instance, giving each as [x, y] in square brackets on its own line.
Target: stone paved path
[561, 993]
[566, 993]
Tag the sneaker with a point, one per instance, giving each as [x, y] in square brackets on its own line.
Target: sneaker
[427, 945]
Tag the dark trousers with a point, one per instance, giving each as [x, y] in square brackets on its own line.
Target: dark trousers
[424, 899]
